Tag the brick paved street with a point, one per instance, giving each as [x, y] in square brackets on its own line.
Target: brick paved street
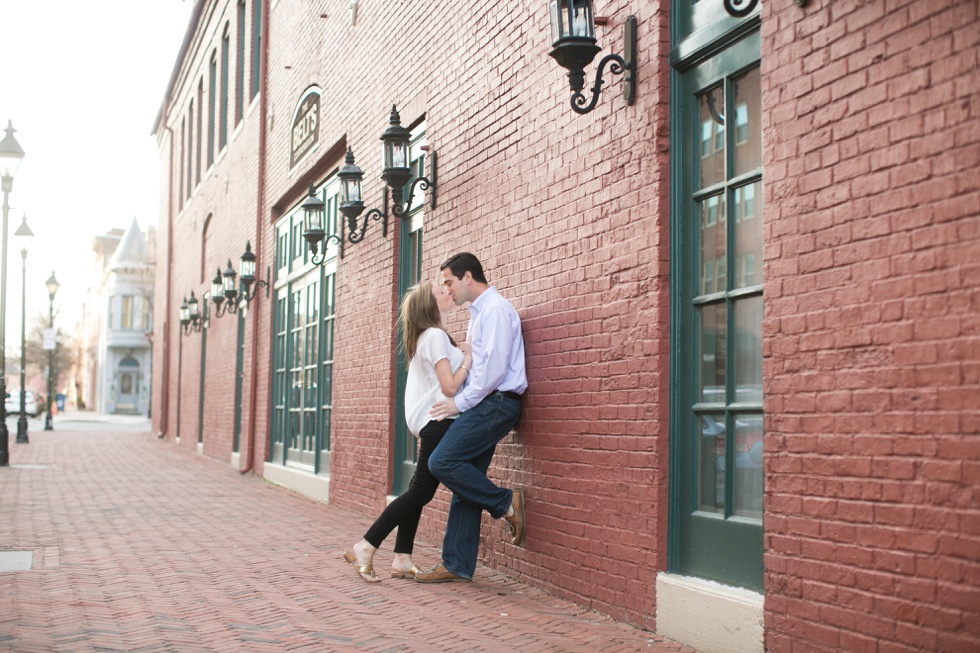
[134, 545]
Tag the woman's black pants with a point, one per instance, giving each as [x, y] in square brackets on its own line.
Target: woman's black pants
[405, 511]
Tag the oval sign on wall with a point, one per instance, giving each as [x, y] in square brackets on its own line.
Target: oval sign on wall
[306, 126]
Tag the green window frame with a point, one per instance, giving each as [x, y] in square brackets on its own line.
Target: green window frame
[410, 247]
[256, 46]
[716, 471]
[302, 347]
[181, 196]
[240, 64]
[223, 114]
[200, 139]
[212, 103]
[190, 147]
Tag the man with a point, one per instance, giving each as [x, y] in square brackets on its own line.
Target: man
[488, 406]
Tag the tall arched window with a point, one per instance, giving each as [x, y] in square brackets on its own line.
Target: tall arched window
[200, 107]
[183, 148]
[256, 44]
[240, 65]
[212, 102]
[190, 147]
[223, 121]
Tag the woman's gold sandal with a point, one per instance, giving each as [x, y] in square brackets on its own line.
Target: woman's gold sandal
[364, 572]
[410, 574]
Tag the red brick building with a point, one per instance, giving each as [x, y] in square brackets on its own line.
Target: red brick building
[749, 298]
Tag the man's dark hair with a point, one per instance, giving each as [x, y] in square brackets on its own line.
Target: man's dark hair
[460, 264]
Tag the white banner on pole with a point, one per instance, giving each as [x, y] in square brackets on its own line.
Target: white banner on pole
[47, 342]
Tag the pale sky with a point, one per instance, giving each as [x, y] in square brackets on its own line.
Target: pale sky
[82, 83]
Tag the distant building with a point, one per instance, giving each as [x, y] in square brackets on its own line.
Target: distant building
[114, 359]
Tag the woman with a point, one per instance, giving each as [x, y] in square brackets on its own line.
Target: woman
[436, 367]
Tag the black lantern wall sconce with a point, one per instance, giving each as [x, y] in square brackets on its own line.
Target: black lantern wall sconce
[223, 285]
[573, 38]
[396, 172]
[190, 315]
[315, 233]
[351, 204]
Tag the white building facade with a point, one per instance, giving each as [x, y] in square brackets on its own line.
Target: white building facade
[123, 356]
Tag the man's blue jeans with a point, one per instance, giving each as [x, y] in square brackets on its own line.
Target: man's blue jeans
[460, 462]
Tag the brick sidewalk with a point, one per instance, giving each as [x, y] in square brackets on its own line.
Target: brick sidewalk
[139, 546]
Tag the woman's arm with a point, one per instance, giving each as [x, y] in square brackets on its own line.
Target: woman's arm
[451, 381]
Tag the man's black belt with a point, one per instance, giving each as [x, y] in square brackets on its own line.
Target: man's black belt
[511, 395]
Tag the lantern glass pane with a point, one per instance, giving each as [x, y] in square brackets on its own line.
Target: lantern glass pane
[247, 269]
[229, 284]
[571, 18]
[582, 22]
[314, 222]
[396, 154]
[556, 27]
[350, 191]
[216, 288]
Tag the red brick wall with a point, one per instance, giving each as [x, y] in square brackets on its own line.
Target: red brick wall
[228, 194]
[568, 214]
[872, 373]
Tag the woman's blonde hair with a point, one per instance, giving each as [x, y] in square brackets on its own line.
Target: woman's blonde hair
[419, 311]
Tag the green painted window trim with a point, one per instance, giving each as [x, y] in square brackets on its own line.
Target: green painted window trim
[296, 275]
[212, 103]
[223, 112]
[240, 65]
[256, 46]
[727, 549]
[410, 249]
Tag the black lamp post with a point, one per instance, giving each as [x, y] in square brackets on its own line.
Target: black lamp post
[573, 38]
[52, 285]
[11, 155]
[24, 235]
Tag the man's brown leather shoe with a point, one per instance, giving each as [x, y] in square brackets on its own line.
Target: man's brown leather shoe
[440, 574]
[517, 521]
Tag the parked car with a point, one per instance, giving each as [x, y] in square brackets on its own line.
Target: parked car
[12, 404]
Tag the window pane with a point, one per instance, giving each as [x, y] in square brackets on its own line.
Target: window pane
[293, 433]
[748, 350]
[240, 65]
[713, 325]
[747, 493]
[747, 208]
[127, 312]
[223, 120]
[295, 389]
[713, 244]
[748, 129]
[711, 486]
[712, 120]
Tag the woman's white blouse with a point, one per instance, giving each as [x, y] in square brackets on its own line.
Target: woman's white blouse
[422, 388]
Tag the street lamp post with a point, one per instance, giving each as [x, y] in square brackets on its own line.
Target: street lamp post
[24, 236]
[11, 154]
[52, 285]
